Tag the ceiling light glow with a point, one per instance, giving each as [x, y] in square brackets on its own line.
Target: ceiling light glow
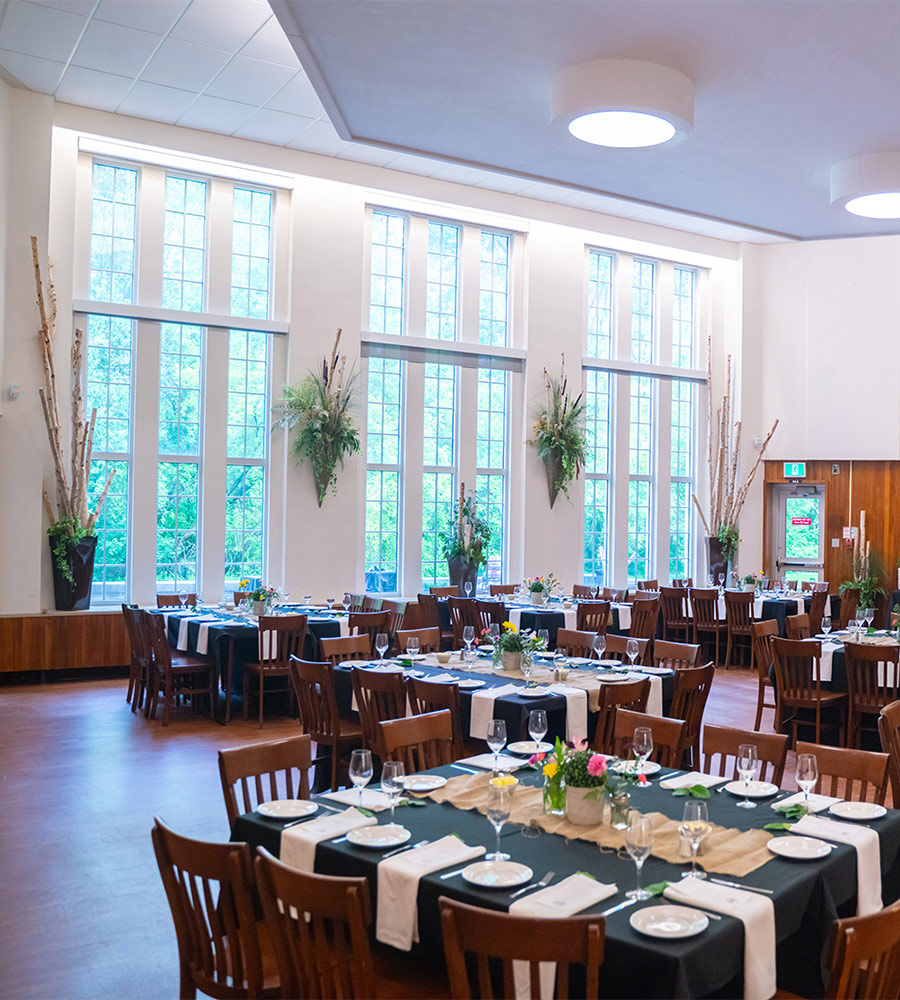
[868, 185]
[883, 205]
[623, 129]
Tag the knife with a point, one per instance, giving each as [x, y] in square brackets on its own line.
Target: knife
[468, 770]
[619, 906]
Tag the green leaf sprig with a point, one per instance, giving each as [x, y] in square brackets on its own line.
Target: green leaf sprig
[695, 791]
[779, 826]
[794, 812]
[657, 888]
[587, 875]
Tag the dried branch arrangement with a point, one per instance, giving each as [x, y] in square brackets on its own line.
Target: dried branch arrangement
[559, 432]
[865, 573]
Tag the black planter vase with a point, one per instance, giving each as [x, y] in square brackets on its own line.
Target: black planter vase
[715, 559]
[462, 572]
[554, 469]
[69, 595]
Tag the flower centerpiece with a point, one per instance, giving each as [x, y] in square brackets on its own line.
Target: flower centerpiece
[753, 580]
[261, 598]
[512, 644]
[541, 587]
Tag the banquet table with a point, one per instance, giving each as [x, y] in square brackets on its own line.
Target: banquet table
[807, 896]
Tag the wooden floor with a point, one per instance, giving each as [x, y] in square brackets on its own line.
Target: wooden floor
[82, 909]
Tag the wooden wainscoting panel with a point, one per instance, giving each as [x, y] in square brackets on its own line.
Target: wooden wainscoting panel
[63, 641]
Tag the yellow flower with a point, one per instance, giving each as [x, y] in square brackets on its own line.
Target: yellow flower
[550, 768]
[510, 627]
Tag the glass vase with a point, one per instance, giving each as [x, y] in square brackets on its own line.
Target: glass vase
[555, 795]
[619, 804]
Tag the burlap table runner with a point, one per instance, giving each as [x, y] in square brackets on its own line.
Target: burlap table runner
[725, 851]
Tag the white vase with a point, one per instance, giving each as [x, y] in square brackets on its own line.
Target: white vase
[750, 588]
[259, 607]
[582, 811]
[511, 660]
[537, 597]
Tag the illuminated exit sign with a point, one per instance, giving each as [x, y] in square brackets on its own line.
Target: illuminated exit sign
[795, 470]
[803, 522]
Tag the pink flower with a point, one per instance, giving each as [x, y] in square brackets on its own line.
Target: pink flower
[581, 745]
[596, 765]
[642, 779]
[536, 758]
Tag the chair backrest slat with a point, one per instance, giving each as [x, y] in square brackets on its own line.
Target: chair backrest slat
[632, 695]
[273, 760]
[667, 734]
[722, 742]
[841, 768]
[420, 741]
[593, 616]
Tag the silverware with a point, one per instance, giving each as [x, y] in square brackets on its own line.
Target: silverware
[671, 774]
[737, 885]
[330, 808]
[699, 909]
[297, 822]
[468, 770]
[458, 871]
[534, 885]
[721, 788]
[339, 840]
[405, 847]
[619, 906]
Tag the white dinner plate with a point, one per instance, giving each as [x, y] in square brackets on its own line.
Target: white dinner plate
[755, 790]
[537, 692]
[630, 767]
[610, 664]
[485, 649]
[424, 782]
[386, 668]
[799, 848]
[414, 656]
[614, 678]
[581, 661]
[669, 921]
[472, 682]
[858, 810]
[379, 837]
[415, 673]
[497, 874]
[287, 808]
[528, 747]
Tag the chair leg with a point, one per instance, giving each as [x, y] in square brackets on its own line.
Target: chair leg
[213, 679]
[728, 646]
[335, 753]
[759, 706]
[246, 705]
[260, 698]
[168, 698]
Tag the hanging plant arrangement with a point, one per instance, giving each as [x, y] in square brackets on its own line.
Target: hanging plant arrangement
[320, 407]
[464, 541]
[559, 433]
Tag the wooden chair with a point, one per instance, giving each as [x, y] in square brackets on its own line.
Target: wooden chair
[806, 586]
[141, 656]
[871, 683]
[667, 735]
[593, 616]
[489, 613]
[738, 623]
[463, 612]
[429, 639]
[864, 957]
[174, 601]
[820, 587]
[474, 936]
[397, 611]
[280, 638]
[688, 703]
[444, 591]
[285, 763]
[497, 589]
[616, 645]
[222, 950]
[239, 595]
[799, 686]
[687, 581]
[673, 602]
[644, 616]
[313, 685]
[427, 696]
[889, 731]
[722, 742]
[797, 627]
[633, 695]
[614, 596]
[763, 633]
[582, 592]
[648, 585]
[337, 649]
[849, 605]
[421, 741]
[705, 613]
[175, 676]
[379, 697]
[431, 618]
[575, 642]
[370, 623]
[356, 602]
[844, 768]
[371, 604]
[675, 655]
[644, 595]
[817, 609]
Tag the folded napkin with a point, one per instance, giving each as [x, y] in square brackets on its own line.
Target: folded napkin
[486, 760]
[371, 798]
[576, 711]
[183, 630]
[575, 893]
[816, 802]
[692, 778]
[298, 843]
[828, 649]
[397, 923]
[441, 679]
[653, 670]
[624, 616]
[203, 634]
[483, 709]
[868, 856]
[755, 912]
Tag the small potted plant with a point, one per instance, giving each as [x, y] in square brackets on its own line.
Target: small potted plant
[552, 766]
[511, 644]
[261, 598]
[585, 773]
[464, 542]
[540, 588]
[751, 581]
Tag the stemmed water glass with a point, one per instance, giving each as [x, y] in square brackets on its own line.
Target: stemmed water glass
[496, 740]
[392, 777]
[869, 615]
[695, 826]
[638, 842]
[632, 648]
[307, 599]
[361, 770]
[468, 588]
[468, 636]
[330, 602]
[599, 645]
[559, 662]
[721, 581]
[498, 806]
[537, 726]
[643, 746]
[543, 635]
[527, 667]
[346, 601]
[381, 645]
[746, 767]
[182, 597]
[412, 646]
[494, 631]
[807, 774]
[826, 624]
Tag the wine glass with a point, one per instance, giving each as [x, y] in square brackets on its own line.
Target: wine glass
[638, 842]
[826, 624]
[496, 740]
[643, 746]
[381, 645]
[599, 645]
[746, 767]
[721, 581]
[711, 580]
[537, 726]
[869, 615]
[361, 770]
[469, 636]
[494, 631]
[182, 597]
[307, 599]
[346, 601]
[695, 826]
[632, 648]
[330, 602]
[468, 588]
[807, 774]
[527, 667]
[543, 635]
[412, 646]
[498, 806]
[392, 777]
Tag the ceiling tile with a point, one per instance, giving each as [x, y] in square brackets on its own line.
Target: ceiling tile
[273, 126]
[81, 7]
[459, 173]
[320, 137]
[150, 100]
[363, 153]
[148, 15]
[298, 98]
[32, 72]
[215, 115]
[270, 43]
[40, 31]
[184, 65]
[504, 182]
[114, 48]
[414, 164]
[250, 80]
[92, 88]
[223, 24]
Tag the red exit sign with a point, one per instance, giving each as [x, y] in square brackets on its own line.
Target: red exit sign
[803, 521]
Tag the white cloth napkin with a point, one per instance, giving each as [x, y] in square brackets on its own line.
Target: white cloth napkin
[182, 643]
[483, 709]
[575, 893]
[441, 679]
[576, 710]
[828, 649]
[816, 802]
[755, 912]
[624, 616]
[298, 843]
[203, 634]
[486, 761]
[692, 778]
[397, 923]
[371, 798]
[653, 670]
[868, 856]
[515, 616]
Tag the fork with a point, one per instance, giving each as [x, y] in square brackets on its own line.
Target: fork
[534, 885]
[405, 847]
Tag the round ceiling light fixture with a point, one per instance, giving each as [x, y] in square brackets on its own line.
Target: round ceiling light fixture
[623, 103]
[868, 185]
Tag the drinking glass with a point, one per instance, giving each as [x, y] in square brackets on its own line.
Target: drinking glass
[746, 767]
[632, 649]
[643, 746]
[544, 635]
[807, 774]
[537, 726]
[469, 636]
[498, 805]
[638, 842]
[599, 645]
[695, 826]
[721, 581]
[412, 646]
[559, 663]
[826, 624]
[307, 599]
[392, 777]
[381, 644]
[361, 770]
[494, 631]
[711, 580]
[468, 588]
[869, 615]
[329, 601]
[527, 667]
[496, 740]
[182, 597]
[347, 601]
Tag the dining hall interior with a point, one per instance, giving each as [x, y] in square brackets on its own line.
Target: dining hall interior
[450, 543]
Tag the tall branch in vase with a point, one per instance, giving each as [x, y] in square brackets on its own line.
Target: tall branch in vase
[464, 541]
[865, 570]
[559, 433]
[726, 495]
[73, 524]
